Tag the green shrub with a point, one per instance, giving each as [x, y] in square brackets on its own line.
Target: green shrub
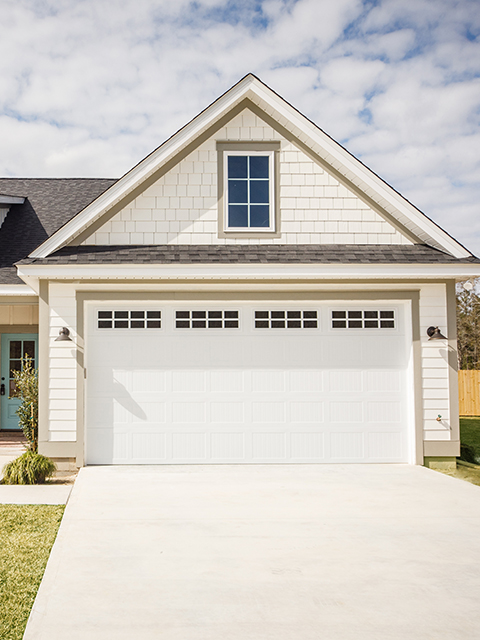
[29, 468]
[26, 383]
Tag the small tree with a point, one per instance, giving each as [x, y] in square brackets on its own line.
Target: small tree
[468, 327]
[26, 383]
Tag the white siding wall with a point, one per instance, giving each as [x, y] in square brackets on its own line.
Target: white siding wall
[433, 312]
[181, 207]
[62, 360]
[18, 314]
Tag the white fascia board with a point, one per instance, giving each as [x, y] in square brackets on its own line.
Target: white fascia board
[250, 271]
[16, 290]
[11, 200]
[142, 171]
[309, 133]
[348, 165]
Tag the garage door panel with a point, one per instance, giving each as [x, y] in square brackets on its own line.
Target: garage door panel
[268, 381]
[197, 396]
[345, 381]
[189, 381]
[189, 446]
[306, 412]
[305, 381]
[148, 381]
[227, 412]
[347, 445]
[385, 445]
[307, 447]
[384, 412]
[228, 447]
[149, 446]
[189, 412]
[272, 412]
[383, 381]
[268, 446]
[227, 381]
[346, 411]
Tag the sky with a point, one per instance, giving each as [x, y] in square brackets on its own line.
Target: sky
[89, 87]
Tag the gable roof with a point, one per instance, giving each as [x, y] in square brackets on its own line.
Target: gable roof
[47, 204]
[253, 93]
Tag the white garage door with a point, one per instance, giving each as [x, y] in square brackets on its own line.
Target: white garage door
[237, 382]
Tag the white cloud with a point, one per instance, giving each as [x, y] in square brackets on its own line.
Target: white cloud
[90, 87]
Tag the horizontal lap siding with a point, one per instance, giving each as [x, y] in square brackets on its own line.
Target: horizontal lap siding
[18, 314]
[435, 370]
[62, 364]
[181, 207]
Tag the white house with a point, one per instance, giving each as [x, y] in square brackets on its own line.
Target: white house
[248, 293]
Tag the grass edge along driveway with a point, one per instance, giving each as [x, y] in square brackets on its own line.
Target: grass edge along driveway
[27, 533]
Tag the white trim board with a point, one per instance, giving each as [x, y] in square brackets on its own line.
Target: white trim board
[260, 271]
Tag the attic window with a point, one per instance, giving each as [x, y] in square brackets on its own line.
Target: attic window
[249, 190]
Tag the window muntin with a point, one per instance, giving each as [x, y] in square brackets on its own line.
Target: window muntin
[249, 194]
[366, 319]
[126, 319]
[207, 319]
[286, 319]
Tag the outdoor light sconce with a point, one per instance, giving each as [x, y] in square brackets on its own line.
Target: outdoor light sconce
[63, 335]
[434, 333]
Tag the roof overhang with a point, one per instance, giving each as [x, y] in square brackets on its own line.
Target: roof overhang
[7, 201]
[285, 272]
[311, 137]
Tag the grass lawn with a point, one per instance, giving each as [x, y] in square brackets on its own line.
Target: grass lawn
[470, 436]
[27, 533]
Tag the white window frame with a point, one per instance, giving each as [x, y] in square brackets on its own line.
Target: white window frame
[271, 190]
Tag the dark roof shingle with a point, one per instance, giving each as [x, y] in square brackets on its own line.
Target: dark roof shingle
[244, 254]
[49, 204]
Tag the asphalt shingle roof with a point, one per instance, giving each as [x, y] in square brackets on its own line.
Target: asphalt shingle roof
[243, 254]
[49, 204]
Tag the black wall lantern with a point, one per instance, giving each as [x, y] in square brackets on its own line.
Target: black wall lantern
[64, 334]
[433, 333]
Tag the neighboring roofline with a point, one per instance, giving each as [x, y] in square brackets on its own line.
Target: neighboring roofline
[10, 200]
[312, 136]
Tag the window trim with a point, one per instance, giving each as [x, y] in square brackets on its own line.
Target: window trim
[224, 149]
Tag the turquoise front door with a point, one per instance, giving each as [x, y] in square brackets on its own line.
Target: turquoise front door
[14, 346]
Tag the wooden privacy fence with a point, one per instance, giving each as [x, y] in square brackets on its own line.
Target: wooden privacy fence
[469, 392]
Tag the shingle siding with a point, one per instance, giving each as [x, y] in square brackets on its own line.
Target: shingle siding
[182, 206]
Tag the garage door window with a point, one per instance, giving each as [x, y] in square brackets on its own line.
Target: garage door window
[206, 320]
[371, 319]
[126, 319]
[286, 320]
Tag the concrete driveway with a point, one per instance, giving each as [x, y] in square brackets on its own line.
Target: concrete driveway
[277, 552]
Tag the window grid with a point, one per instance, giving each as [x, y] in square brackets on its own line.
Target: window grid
[235, 219]
[129, 319]
[286, 320]
[371, 319]
[206, 319]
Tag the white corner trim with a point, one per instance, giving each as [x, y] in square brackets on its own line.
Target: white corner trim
[262, 95]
